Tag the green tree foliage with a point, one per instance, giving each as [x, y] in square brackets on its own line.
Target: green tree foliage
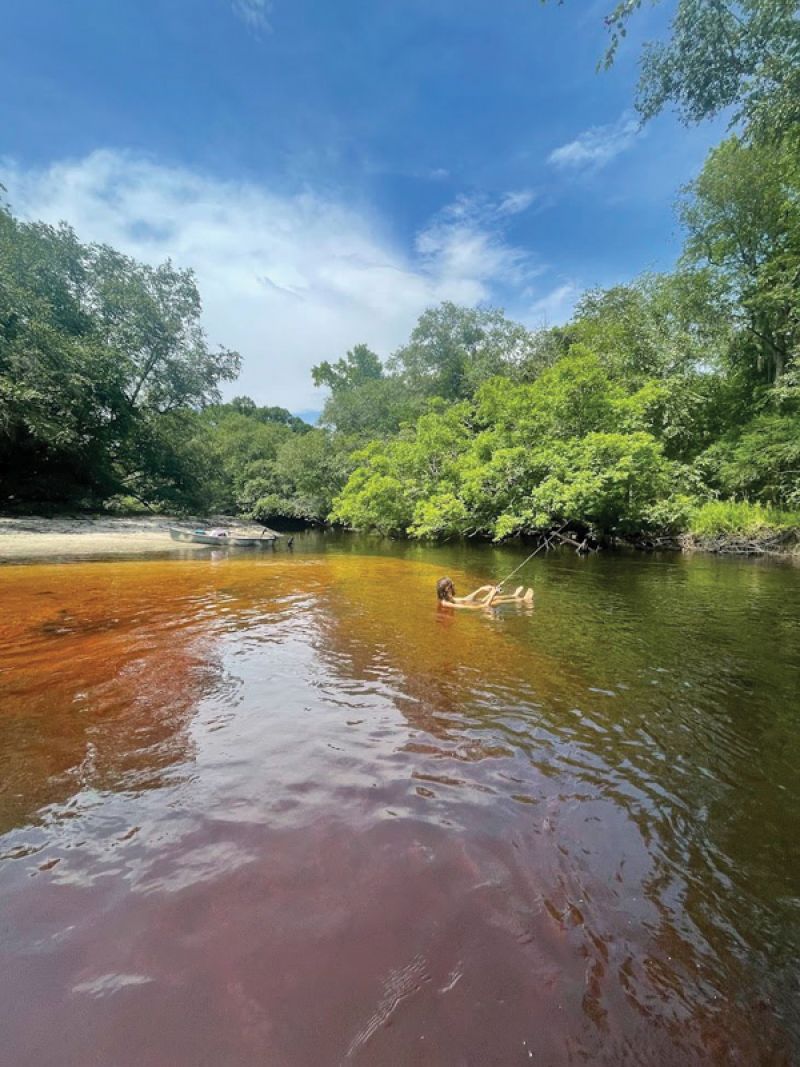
[302, 481]
[742, 216]
[759, 463]
[102, 362]
[372, 408]
[360, 365]
[364, 400]
[659, 396]
[656, 397]
[670, 403]
[247, 452]
[659, 326]
[313, 467]
[739, 54]
[608, 482]
[452, 350]
[269, 464]
[245, 406]
[395, 482]
[645, 415]
[520, 457]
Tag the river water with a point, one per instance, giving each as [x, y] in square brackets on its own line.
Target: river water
[286, 810]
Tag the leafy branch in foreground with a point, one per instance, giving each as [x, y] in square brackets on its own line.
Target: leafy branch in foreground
[719, 54]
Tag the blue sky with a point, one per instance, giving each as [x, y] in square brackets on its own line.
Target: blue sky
[332, 168]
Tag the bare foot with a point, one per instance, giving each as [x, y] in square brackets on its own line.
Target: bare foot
[528, 598]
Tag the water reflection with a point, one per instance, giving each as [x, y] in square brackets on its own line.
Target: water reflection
[289, 791]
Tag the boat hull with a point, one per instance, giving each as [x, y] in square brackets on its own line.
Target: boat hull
[192, 537]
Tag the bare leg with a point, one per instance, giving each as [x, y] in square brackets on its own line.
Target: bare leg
[528, 598]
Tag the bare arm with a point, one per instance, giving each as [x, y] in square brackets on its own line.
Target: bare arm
[473, 596]
[472, 601]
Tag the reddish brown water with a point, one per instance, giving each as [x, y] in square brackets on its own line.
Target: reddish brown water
[286, 811]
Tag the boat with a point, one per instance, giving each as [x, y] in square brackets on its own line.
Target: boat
[251, 542]
[201, 537]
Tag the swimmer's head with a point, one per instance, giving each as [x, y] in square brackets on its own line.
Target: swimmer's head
[445, 590]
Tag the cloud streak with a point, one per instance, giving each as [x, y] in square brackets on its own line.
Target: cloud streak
[287, 280]
[597, 146]
[253, 13]
[555, 306]
[467, 240]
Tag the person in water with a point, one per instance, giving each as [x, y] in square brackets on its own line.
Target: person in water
[485, 597]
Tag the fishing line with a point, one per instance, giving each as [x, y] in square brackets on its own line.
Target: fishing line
[521, 565]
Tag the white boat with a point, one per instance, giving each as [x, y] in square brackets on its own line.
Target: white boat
[202, 537]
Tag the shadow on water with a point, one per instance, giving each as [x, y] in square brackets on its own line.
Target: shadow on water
[289, 810]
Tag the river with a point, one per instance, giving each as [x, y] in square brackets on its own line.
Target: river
[286, 810]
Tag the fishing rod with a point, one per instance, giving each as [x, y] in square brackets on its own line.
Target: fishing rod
[544, 544]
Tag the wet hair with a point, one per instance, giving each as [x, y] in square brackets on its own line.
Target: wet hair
[445, 589]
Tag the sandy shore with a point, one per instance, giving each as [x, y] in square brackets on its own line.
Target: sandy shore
[38, 538]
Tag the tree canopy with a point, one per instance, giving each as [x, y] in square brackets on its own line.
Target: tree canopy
[720, 54]
[100, 360]
[667, 398]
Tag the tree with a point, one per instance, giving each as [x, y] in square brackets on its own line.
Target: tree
[608, 482]
[312, 468]
[574, 397]
[452, 350]
[150, 318]
[99, 355]
[742, 216]
[364, 401]
[655, 327]
[247, 451]
[761, 463]
[742, 54]
[378, 494]
[372, 408]
[243, 405]
[360, 365]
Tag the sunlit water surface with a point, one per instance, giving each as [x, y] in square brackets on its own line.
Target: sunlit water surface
[285, 810]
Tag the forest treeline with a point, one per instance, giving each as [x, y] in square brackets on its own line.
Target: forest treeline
[668, 404]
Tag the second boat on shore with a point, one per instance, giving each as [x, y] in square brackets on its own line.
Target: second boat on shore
[222, 540]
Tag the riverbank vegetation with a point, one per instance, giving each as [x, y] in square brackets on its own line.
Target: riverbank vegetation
[667, 406]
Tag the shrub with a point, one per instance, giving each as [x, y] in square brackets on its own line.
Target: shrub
[741, 519]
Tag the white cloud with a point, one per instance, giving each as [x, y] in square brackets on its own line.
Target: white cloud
[287, 280]
[514, 203]
[465, 241]
[253, 13]
[596, 146]
[554, 307]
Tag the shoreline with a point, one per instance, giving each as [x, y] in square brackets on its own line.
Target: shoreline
[737, 547]
[33, 537]
[39, 538]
